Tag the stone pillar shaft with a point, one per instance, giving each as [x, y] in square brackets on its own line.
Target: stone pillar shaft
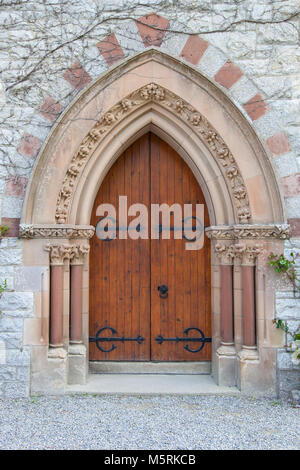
[76, 304]
[226, 304]
[56, 306]
[249, 329]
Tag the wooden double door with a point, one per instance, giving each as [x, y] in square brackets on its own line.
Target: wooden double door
[149, 298]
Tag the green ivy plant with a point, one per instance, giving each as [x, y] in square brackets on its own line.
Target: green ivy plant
[283, 265]
[3, 229]
[294, 346]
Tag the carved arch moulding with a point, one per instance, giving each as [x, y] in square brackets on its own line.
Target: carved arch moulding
[187, 113]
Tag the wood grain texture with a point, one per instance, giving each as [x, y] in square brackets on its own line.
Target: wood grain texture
[125, 274]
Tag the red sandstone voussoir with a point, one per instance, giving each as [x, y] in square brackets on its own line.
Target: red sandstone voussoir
[29, 145]
[110, 49]
[50, 109]
[295, 227]
[77, 76]
[291, 185]
[228, 74]
[13, 226]
[278, 143]
[256, 107]
[16, 187]
[194, 49]
[152, 29]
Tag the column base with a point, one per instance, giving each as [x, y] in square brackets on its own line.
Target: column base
[248, 370]
[226, 365]
[77, 371]
[48, 371]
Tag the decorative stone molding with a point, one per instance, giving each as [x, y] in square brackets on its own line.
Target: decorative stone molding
[224, 252]
[79, 253]
[247, 253]
[192, 117]
[56, 231]
[59, 253]
[237, 232]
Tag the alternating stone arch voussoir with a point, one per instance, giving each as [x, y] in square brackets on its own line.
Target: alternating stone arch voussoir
[154, 90]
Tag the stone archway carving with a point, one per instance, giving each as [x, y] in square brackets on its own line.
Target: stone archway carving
[154, 92]
[239, 179]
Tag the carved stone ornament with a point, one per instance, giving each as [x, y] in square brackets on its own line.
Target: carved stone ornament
[246, 253]
[56, 231]
[158, 94]
[238, 232]
[79, 252]
[60, 253]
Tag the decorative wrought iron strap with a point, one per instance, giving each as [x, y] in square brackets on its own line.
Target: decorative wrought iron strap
[202, 339]
[101, 339]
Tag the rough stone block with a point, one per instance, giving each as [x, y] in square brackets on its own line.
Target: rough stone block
[13, 340]
[211, 61]
[7, 373]
[10, 324]
[17, 301]
[287, 308]
[288, 380]
[15, 357]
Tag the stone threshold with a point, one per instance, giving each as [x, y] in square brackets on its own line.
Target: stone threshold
[151, 384]
[177, 368]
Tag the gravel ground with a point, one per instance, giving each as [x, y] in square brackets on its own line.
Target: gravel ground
[161, 422]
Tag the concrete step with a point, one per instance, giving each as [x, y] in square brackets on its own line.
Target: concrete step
[178, 368]
[150, 384]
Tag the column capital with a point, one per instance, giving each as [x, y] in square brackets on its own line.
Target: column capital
[79, 253]
[59, 253]
[247, 253]
[225, 253]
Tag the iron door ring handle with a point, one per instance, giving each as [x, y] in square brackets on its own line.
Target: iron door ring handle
[163, 291]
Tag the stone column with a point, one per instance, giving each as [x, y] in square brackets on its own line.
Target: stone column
[226, 353]
[77, 350]
[248, 356]
[58, 254]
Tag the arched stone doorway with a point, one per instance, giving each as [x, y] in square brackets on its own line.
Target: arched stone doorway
[150, 290]
[154, 92]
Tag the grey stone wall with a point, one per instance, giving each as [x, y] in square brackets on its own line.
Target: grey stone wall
[40, 40]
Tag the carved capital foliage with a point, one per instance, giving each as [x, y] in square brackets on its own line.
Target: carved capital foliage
[225, 253]
[56, 231]
[246, 253]
[60, 253]
[250, 232]
[79, 253]
[192, 117]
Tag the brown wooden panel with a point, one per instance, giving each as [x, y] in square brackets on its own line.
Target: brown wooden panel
[120, 269]
[125, 274]
[186, 273]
